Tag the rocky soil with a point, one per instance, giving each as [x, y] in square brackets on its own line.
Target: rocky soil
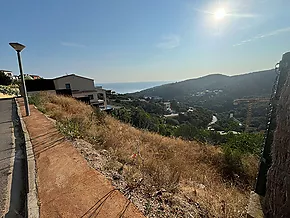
[157, 203]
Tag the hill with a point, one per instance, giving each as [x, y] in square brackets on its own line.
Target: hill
[163, 176]
[215, 89]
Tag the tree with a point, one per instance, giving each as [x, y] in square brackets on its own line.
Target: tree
[5, 80]
[186, 131]
[122, 114]
[172, 121]
[246, 143]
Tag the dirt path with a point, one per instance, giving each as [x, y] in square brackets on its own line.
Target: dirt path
[67, 185]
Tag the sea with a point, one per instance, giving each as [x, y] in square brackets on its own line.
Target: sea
[131, 87]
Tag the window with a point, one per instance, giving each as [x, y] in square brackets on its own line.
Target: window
[91, 97]
[67, 86]
[101, 96]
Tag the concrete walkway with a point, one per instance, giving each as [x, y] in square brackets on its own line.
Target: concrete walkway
[67, 185]
[6, 151]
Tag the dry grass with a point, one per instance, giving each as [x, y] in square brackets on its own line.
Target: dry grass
[189, 172]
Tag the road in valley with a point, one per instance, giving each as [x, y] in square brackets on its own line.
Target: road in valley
[214, 120]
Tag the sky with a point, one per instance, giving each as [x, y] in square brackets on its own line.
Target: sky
[138, 40]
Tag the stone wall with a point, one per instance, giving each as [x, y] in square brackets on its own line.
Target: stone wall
[277, 199]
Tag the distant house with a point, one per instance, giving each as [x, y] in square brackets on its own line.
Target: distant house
[35, 77]
[81, 88]
[7, 73]
[15, 77]
[27, 77]
[191, 109]
[167, 106]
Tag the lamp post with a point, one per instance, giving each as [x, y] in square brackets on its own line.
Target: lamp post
[18, 48]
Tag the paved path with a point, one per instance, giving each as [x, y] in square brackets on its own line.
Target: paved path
[67, 185]
[6, 149]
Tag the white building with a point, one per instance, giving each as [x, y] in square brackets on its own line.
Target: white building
[167, 106]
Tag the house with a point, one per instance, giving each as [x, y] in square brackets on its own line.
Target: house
[191, 109]
[35, 77]
[7, 73]
[167, 106]
[27, 77]
[81, 88]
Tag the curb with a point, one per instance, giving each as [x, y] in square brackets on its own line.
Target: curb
[12, 159]
[32, 199]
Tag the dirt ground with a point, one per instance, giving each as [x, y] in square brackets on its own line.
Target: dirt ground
[67, 185]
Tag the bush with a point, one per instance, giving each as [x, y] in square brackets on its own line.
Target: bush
[233, 165]
[172, 121]
[5, 80]
[246, 143]
[37, 101]
[9, 90]
[186, 132]
[238, 151]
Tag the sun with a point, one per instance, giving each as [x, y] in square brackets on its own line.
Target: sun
[220, 13]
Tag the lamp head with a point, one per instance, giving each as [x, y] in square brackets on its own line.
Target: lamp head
[17, 46]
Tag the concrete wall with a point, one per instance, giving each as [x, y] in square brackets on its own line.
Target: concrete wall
[76, 83]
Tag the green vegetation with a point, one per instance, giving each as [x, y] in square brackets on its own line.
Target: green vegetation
[9, 90]
[37, 101]
[237, 149]
[149, 115]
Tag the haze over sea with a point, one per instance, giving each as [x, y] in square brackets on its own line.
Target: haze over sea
[130, 87]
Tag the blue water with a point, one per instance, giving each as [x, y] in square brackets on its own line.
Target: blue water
[130, 87]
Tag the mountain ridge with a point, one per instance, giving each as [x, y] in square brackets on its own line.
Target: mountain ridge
[250, 84]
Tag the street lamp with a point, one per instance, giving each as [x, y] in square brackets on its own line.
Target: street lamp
[18, 48]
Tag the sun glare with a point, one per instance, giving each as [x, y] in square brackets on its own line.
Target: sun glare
[220, 13]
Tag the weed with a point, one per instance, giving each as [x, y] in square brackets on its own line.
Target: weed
[148, 208]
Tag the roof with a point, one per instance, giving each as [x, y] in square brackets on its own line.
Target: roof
[86, 91]
[6, 70]
[73, 75]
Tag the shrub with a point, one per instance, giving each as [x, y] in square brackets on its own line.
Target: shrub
[233, 162]
[37, 100]
[5, 80]
[70, 127]
[9, 90]
[238, 152]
